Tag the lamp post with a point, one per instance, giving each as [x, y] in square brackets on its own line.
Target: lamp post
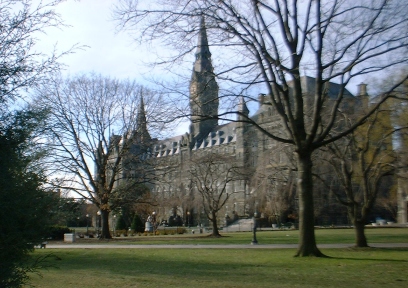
[87, 217]
[254, 241]
[188, 219]
[154, 222]
[114, 225]
[226, 217]
[226, 221]
[297, 211]
[99, 220]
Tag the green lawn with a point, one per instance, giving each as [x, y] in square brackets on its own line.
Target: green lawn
[371, 267]
[323, 236]
[223, 268]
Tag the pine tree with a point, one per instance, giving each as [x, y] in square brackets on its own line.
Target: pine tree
[137, 224]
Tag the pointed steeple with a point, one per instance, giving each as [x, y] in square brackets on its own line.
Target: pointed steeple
[141, 116]
[203, 89]
[203, 55]
[141, 124]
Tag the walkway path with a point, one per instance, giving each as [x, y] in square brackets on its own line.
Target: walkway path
[231, 246]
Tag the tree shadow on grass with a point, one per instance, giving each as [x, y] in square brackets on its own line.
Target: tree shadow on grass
[179, 265]
[372, 249]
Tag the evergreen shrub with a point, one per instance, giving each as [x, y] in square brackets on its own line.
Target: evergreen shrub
[57, 232]
[137, 224]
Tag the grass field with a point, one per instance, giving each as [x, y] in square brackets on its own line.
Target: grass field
[370, 267]
[323, 236]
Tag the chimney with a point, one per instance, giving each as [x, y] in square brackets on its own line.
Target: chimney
[362, 89]
[261, 99]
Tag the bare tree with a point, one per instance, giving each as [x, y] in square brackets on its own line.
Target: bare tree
[396, 203]
[21, 66]
[402, 193]
[98, 139]
[362, 161]
[210, 175]
[274, 184]
[268, 44]
[389, 202]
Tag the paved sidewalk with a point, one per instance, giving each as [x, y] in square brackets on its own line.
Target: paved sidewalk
[231, 246]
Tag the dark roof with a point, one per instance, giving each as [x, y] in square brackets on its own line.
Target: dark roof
[309, 84]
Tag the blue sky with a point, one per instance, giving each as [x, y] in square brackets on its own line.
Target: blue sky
[108, 53]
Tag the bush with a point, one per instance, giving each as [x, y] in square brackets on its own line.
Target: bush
[120, 232]
[170, 230]
[137, 224]
[57, 232]
[120, 223]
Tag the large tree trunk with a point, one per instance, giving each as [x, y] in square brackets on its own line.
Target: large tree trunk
[105, 233]
[215, 231]
[307, 241]
[361, 240]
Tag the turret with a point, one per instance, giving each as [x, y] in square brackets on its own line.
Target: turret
[243, 112]
[241, 131]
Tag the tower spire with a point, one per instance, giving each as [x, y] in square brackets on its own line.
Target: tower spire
[141, 124]
[203, 55]
[203, 89]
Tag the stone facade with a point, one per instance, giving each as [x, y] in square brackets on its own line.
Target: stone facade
[241, 143]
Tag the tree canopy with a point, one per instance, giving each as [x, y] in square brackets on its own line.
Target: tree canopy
[25, 206]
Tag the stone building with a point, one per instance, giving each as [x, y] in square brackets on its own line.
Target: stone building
[241, 145]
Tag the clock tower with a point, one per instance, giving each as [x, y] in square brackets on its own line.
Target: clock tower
[203, 90]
